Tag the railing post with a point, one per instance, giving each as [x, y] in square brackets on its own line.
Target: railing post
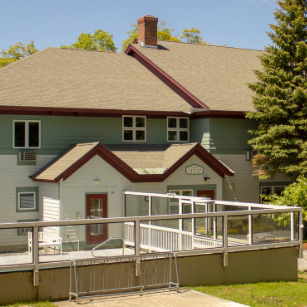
[250, 227]
[292, 214]
[149, 223]
[214, 223]
[180, 227]
[137, 247]
[225, 240]
[35, 256]
[301, 234]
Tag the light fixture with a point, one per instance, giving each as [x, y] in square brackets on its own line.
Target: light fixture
[206, 178]
[97, 181]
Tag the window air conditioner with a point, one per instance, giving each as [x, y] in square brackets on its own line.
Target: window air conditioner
[27, 156]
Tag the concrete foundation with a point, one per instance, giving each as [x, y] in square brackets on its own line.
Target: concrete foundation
[244, 267]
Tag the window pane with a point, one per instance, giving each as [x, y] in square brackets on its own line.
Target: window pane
[26, 201]
[140, 122]
[172, 123]
[187, 193]
[20, 134]
[128, 135]
[33, 134]
[183, 123]
[266, 190]
[128, 121]
[278, 190]
[140, 135]
[184, 136]
[172, 135]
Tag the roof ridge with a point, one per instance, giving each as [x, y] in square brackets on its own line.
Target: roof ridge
[209, 45]
[25, 58]
[111, 52]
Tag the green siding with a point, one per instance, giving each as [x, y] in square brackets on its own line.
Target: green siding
[223, 135]
[59, 132]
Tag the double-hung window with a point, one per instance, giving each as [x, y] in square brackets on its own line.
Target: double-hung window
[26, 134]
[177, 129]
[134, 128]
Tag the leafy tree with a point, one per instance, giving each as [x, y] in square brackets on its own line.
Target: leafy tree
[294, 195]
[16, 52]
[101, 40]
[164, 33]
[191, 36]
[281, 96]
[133, 34]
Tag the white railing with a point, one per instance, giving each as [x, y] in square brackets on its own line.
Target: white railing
[140, 232]
[159, 238]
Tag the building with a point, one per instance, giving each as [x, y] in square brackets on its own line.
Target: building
[80, 127]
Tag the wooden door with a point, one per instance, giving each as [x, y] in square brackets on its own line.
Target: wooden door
[96, 207]
[206, 193]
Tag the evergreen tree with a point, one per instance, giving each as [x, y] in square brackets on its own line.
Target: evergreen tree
[281, 96]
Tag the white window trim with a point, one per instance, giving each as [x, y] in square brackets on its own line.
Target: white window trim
[134, 128]
[27, 133]
[273, 189]
[177, 129]
[27, 209]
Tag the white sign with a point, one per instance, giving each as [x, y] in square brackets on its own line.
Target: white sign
[194, 169]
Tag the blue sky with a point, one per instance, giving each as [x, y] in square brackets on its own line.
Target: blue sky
[52, 23]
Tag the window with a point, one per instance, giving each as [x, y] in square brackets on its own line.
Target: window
[26, 201]
[270, 190]
[177, 129]
[26, 134]
[134, 128]
[174, 203]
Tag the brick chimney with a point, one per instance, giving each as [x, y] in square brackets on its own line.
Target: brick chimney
[147, 28]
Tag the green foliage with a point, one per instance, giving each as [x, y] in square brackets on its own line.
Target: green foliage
[295, 195]
[101, 40]
[16, 52]
[191, 36]
[133, 34]
[281, 96]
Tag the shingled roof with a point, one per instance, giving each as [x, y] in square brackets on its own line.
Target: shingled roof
[216, 75]
[84, 79]
[138, 163]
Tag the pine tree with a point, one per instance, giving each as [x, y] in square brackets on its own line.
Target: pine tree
[281, 96]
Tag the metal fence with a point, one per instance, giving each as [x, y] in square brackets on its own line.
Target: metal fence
[223, 243]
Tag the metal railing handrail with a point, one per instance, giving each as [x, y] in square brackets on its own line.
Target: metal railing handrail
[146, 218]
[106, 241]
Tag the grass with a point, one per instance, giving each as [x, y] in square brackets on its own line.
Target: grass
[33, 304]
[289, 294]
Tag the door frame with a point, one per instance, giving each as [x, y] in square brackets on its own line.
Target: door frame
[88, 197]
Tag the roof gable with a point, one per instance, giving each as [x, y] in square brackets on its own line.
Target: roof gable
[76, 156]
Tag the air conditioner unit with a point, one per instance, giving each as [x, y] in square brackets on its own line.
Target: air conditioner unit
[27, 156]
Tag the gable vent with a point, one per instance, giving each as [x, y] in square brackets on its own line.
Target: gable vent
[27, 156]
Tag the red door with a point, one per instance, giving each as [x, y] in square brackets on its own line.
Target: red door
[209, 221]
[206, 193]
[96, 207]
